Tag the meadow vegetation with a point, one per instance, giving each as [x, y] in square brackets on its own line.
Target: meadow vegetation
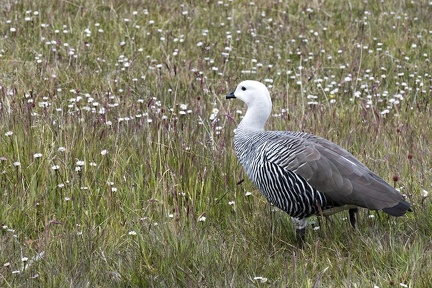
[116, 159]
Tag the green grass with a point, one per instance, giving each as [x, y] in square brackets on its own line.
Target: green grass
[137, 182]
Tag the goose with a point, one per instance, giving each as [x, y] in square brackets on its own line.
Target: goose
[303, 174]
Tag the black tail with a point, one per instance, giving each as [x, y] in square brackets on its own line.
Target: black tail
[399, 210]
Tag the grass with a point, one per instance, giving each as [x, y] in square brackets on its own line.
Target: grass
[116, 158]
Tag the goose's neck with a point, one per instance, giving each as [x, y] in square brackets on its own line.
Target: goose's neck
[255, 118]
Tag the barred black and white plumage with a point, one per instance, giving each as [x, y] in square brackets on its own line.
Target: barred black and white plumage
[304, 174]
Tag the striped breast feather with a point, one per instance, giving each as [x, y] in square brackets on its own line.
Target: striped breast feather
[287, 190]
[331, 170]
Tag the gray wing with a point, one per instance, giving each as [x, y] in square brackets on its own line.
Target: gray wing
[335, 172]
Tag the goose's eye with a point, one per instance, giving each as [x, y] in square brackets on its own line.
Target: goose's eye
[243, 88]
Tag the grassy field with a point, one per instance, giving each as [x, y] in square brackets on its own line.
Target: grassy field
[116, 156]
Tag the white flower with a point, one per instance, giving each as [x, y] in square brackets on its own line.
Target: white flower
[16, 164]
[104, 152]
[132, 232]
[80, 163]
[37, 155]
[61, 149]
[55, 167]
[261, 279]
[202, 219]
[9, 133]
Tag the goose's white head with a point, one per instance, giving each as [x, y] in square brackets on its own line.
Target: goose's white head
[257, 98]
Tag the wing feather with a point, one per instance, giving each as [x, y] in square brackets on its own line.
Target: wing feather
[332, 170]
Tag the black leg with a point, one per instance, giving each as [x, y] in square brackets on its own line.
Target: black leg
[301, 235]
[352, 216]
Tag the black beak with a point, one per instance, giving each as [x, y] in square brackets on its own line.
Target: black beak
[230, 95]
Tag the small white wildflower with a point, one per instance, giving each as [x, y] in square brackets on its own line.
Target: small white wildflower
[248, 194]
[202, 219]
[80, 163]
[132, 233]
[261, 279]
[24, 259]
[61, 149]
[104, 152]
[6, 264]
[16, 164]
[37, 155]
[371, 216]
[231, 203]
[55, 167]
[215, 112]
[9, 133]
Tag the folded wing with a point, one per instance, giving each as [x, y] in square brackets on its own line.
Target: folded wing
[335, 172]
